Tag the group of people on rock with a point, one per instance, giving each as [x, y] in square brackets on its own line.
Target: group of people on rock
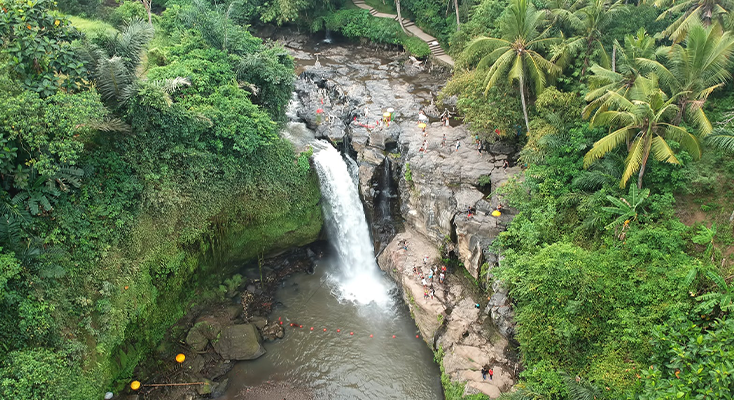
[427, 280]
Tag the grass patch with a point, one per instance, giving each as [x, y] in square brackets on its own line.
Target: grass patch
[91, 25]
[387, 8]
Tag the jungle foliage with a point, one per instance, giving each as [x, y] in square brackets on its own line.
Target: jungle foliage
[132, 164]
[614, 296]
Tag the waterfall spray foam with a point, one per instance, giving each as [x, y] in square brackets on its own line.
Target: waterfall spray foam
[360, 280]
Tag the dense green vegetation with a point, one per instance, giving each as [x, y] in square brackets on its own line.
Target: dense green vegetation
[615, 297]
[134, 168]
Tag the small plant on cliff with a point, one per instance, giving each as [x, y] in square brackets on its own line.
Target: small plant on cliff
[408, 174]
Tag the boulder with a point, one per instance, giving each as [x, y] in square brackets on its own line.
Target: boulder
[239, 342]
[204, 330]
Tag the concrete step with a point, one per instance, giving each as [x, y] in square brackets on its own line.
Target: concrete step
[373, 12]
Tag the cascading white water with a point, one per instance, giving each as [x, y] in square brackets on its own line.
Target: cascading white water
[360, 281]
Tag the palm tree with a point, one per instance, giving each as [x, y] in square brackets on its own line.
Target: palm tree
[705, 11]
[641, 121]
[115, 66]
[589, 18]
[695, 70]
[636, 47]
[514, 56]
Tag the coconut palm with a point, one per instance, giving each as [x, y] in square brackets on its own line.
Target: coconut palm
[636, 47]
[694, 11]
[721, 140]
[514, 55]
[695, 69]
[589, 18]
[642, 121]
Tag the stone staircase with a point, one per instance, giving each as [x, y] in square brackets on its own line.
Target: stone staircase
[436, 50]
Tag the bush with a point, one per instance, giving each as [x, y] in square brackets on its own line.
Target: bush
[416, 46]
[127, 11]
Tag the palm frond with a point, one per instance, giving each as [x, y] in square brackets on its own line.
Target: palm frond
[633, 163]
[662, 152]
[721, 140]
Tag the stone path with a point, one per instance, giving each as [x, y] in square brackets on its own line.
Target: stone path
[410, 26]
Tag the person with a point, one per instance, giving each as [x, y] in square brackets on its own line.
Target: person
[366, 111]
[425, 293]
[505, 164]
[469, 213]
[423, 281]
[441, 277]
[430, 276]
[477, 305]
[499, 206]
[446, 122]
[491, 374]
[431, 294]
[425, 260]
[484, 373]
[443, 142]
[458, 143]
[415, 271]
[443, 268]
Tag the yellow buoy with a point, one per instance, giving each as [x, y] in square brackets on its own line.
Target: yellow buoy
[135, 385]
[496, 213]
[180, 358]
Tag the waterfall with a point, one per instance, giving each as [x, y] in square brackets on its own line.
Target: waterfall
[360, 280]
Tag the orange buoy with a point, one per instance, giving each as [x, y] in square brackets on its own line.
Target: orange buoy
[416, 336]
[370, 335]
[324, 329]
[281, 322]
[351, 333]
[300, 326]
[338, 330]
[180, 357]
[393, 336]
[135, 385]
[312, 328]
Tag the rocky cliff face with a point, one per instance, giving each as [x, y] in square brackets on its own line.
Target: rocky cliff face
[444, 195]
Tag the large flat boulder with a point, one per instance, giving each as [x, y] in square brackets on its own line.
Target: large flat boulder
[239, 342]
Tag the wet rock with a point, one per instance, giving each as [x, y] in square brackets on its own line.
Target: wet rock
[204, 330]
[500, 308]
[206, 388]
[259, 322]
[219, 389]
[239, 342]
[272, 331]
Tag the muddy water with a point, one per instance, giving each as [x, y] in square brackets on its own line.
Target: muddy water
[338, 365]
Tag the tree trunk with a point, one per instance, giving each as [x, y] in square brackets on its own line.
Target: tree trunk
[646, 150]
[400, 18]
[524, 106]
[614, 58]
[589, 42]
[147, 4]
[456, 7]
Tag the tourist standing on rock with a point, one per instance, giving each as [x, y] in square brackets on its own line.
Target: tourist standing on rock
[441, 277]
[458, 144]
[484, 373]
[425, 260]
[505, 164]
[425, 284]
[443, 142]
[491, 374]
